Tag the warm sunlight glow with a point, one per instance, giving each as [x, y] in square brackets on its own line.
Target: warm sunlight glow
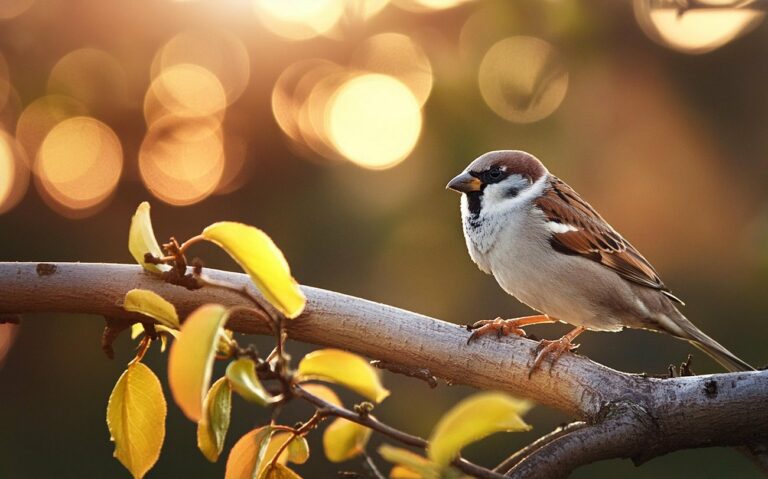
[5, 82]
[185, 90]
[523, 79]
[182, 161]
[299, 19]
[374, 120]
[40, 116]
[79, 164]
[697, 30]
[13, 8]
[7, 170]
[92, 76]
[427, 5]
[399, 56]
[219, 52]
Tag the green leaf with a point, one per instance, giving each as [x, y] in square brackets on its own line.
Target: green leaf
[255, 252]
[153, 305]
[473, 419]
[248, 456]
[279, 471]
[343, 440]
[141, 240]
[136, 419]
[212, 429]
[344, 368]
[242, 376]
[191, 358]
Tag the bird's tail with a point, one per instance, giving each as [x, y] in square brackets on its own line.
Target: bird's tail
[714, 349]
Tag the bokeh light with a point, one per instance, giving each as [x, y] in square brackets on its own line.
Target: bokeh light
[299, 19]
[14, 173]
[523, 79]
[426, 5]
[185, 90]
[697, 30]
[5, 82]
[374, 120]
[13, 8]
[40, 116]
[219, 52]
[78, 166]
[92, 76]
[399, 56]
[181, 160]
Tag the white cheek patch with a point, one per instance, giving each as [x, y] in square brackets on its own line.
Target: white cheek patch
[560, 228]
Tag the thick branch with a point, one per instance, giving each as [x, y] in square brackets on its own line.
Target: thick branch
[718, 410]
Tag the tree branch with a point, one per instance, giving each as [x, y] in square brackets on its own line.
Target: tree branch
[627, 415]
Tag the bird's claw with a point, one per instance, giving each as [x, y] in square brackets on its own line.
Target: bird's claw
[552, 348]
[502, 327]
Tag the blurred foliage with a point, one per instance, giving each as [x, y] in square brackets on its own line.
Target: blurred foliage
[336, 128]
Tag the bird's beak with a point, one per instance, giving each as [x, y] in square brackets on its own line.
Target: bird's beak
[464, 183]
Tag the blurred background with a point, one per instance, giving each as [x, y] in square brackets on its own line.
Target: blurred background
[334, 126]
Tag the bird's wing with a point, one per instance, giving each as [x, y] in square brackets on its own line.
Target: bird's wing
[585, 233]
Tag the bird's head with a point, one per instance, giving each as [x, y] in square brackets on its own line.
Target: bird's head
[498, 178]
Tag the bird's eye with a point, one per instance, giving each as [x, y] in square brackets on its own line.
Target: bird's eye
[494, 174]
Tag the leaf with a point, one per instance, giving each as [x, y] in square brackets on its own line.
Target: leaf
[191, 358]
[136, 330]
[344, 368]
[402, 472]
[279, 471]
[136, 419]
[409, 463]
[255, 252]
[323, 392]
[343, 440]
[242, 376]
[153, 305]
[247, 456]
[141, 240]
[298, 450]
[212, 429]
[473, 419]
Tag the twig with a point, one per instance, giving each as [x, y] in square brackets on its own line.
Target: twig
[697, 411]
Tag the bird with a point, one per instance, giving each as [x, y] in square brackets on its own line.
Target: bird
[552, 250]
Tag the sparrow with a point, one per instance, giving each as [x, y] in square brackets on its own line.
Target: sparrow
[551, 250]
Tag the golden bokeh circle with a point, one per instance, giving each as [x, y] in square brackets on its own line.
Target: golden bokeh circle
[399, 56]
[40, 116]
[185, 90]
[181, 161]
[695, 30]
[13, 8]
[299, 19]
[523, 79]
[14, 173]
[92, 76]
[79, 164]
[374, 120]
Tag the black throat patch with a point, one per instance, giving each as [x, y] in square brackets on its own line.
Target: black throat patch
[474, 203]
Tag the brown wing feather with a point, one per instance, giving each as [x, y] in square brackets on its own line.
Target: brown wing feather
[594, 238]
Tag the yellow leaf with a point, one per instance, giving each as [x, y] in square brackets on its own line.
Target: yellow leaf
[343, 440]
[191, 358]
[255, 252]
[409, 464]
[323, 392]
[136, 419]
[141, 240]
[344, 368]
[472, 419]
[212, 429]
[402, 472]
[298, 450]
[279, 471]
[153, 305]
[136, 329]
[242, 376]
[249, 453]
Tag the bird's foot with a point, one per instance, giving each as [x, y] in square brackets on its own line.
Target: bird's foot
[554, 349]
[504, 327]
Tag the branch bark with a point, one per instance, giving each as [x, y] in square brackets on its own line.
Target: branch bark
[627, 415]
